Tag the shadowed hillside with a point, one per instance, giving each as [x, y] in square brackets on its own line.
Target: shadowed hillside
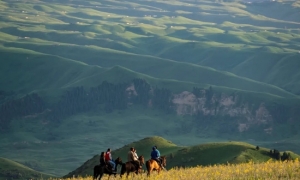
[12, 170]
[73, 73]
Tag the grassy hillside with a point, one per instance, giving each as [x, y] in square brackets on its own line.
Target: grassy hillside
[71, 73]
[12, 170]
[186, 156]
[250, 170]
[231, 36]
[245, 52]
[50, 76]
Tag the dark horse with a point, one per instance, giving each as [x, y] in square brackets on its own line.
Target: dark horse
[131, 167]
[153, 165]
[104, 169]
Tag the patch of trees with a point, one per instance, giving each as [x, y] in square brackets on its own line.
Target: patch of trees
[277, 155]
[162, 99]
[6, 96]
[27, 105]
[78, 100]
[205, 93]
[142, 89]
[198, 92]
[283, 112]
[106, 97]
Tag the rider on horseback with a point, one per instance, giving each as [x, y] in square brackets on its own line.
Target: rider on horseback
[102, 159]
[133, 157]
[155, 155]
[108, 158]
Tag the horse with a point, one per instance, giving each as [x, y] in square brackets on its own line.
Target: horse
[103, 169]
[153, 165]
[131, 167]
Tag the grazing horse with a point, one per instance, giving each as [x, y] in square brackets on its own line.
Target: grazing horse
[153, 165]
[103, 169]
[131, 167]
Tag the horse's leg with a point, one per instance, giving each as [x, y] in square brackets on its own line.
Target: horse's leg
[97, 177]
[95, 172]
[149, 171]
[101, 174]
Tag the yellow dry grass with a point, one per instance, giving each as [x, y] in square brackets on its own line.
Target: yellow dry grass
[252, 171]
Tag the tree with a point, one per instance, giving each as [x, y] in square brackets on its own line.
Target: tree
[142, 89]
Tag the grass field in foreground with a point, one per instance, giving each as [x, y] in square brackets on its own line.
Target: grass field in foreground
[250, 170]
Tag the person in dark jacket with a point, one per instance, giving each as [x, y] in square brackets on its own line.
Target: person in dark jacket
[155, 155]
[102, 159]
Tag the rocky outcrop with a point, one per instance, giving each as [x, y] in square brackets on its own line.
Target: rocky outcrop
[186, 103]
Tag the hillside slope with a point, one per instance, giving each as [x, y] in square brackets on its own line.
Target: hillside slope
[12, 170]
[186, 156]
[246, 39]
[68, 72]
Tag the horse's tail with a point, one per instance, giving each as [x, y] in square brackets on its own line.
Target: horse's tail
[123, 169]
[148, 167]
[96, 171]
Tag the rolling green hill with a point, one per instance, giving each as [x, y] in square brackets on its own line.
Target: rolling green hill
[227, 36]
[78, 75]
[68, 74]
[12, 170]
[187, 156]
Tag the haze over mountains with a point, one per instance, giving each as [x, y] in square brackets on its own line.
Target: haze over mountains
[75, 76]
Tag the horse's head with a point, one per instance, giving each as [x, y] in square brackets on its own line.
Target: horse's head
[142, 160]
[163, 160]
[118, 161]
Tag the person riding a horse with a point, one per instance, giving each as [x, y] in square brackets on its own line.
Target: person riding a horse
[108, 159]
[155, 155]
[102, 159]
[133, 157]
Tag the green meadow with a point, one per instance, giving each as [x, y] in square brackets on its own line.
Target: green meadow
[250, 51]
[205, 154]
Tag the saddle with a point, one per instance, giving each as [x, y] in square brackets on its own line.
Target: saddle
[136, 164]
[107, 166]
[158, 162]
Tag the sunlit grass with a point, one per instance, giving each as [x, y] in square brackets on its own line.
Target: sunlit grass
[250, 170]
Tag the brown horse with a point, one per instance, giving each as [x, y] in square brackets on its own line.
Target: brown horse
[105, 169]
[153, 165]
[131, 167]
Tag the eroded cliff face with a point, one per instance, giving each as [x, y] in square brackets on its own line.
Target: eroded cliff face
[242, 115]
[245, 115]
